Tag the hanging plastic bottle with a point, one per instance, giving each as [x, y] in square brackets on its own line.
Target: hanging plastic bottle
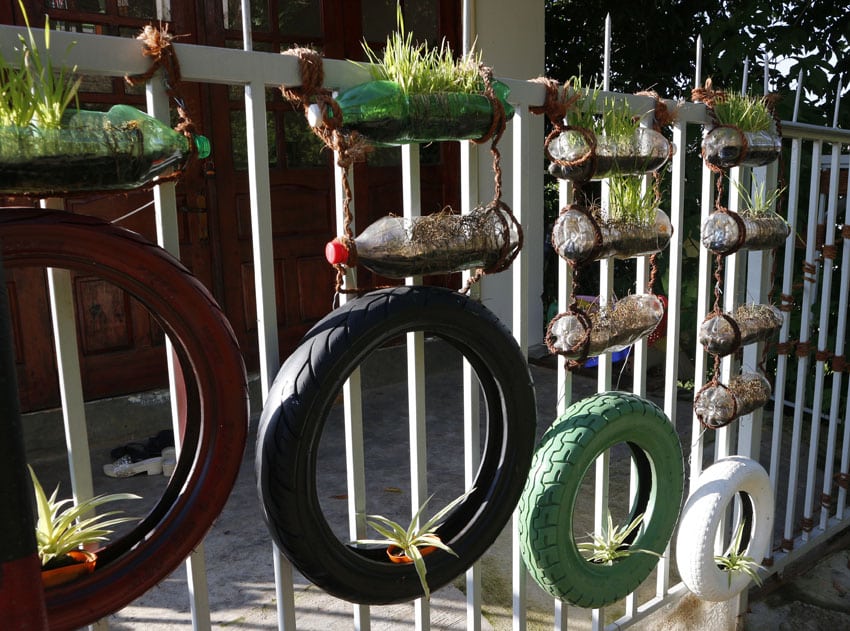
[121, 149]
[726, 232]
[726, 147]
[644, 151]
[611, 328]
[395, 247]
[717, 405]
[752, 323]
[574, 236]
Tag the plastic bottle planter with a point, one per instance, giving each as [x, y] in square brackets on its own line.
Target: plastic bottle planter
[441, 243]
[717, 405]
[92, 151]
[611, 329]
[579, 237]
[727, 232]
[385, 115]
[724, 334]
[573, 158]
[726, 146]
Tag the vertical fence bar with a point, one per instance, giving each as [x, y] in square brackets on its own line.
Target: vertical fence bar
[823, 339]
[411, 202]
[842, 310]
[786, 301]
[840, 335]
[352, 408]
[809, 282]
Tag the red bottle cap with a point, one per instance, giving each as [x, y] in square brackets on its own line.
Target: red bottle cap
[336, 253]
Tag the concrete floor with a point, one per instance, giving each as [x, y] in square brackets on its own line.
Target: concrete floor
[238, 552]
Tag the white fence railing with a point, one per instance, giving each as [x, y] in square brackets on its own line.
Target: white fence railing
[818, 411]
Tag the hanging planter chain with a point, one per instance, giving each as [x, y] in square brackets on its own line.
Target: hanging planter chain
[158, 46]
[557, 104]
[708, 96]
[352, 147]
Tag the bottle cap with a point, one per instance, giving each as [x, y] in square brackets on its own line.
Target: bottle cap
[202, 144]
[336, 253]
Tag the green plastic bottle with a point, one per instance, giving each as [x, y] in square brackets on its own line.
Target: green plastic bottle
[121, 149]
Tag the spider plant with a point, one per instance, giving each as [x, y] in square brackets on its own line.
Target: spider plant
[757, 203]
[409, 540]
[735, 561]
[747, 112]
[630, 202]
[610, 545]
[420, 69]
[63, 526]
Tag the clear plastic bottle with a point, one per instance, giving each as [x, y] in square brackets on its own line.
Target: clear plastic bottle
[646, 150]
[611, 329]
[717, 406]
[721, 232]
[395, 247]
[574, 237]
[121, 149]
[755, 323]
[726, 147]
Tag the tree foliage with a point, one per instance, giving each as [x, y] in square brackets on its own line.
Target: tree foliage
[654, 46]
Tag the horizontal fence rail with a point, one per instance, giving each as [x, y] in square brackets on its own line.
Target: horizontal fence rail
[801, 438]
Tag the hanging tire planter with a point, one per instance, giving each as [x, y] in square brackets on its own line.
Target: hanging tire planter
[702, 516]
[566, 452]
[216, 419]
[297, 407]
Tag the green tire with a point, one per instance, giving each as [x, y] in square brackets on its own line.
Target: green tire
[567, 451]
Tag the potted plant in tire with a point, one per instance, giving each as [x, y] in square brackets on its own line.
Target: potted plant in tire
[419, 94]
[412, 544]
[64, 528]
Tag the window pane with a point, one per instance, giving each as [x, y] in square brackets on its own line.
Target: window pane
[378, 19]
[239, 141]
[303, 148]
[421, 19]
[300, 17]
[233, 14]
[145, 9]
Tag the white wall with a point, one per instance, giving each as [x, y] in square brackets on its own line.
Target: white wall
[510, 36]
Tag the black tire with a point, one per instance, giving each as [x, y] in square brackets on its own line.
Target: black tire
[216, 420]
[297, 407]
[568, 449]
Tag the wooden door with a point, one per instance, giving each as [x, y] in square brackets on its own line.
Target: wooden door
[121, 347]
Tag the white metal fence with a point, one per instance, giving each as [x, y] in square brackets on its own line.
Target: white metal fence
[809, 468]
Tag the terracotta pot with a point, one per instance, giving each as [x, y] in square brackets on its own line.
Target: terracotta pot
[397, 555]
[85, 562]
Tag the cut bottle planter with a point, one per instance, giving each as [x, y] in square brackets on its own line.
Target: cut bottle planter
[83, 563]
[573, 157]
[612, 328]
[579, 237]
[727, 146]
[382, 113]
[724, 334]
[717, 405]
[727, 232]
[92, 151]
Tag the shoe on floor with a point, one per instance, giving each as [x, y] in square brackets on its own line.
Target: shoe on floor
[124, 467]
[169, 461]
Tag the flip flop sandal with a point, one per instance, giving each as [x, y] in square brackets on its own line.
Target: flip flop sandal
[125, 467]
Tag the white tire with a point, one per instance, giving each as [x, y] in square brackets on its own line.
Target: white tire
[701, 518]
